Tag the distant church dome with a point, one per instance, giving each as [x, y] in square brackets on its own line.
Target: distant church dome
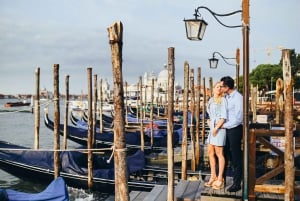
[162, 78]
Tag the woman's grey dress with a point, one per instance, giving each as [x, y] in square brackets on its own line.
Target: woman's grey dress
[216, 112]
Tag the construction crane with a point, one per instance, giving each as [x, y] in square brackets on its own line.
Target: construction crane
[268, 50]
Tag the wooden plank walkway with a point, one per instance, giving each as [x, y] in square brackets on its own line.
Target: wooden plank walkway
[187, 190]
[208, 193]
[221, 192]
[184, 191]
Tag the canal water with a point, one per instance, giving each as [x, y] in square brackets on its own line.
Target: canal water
[17, 126]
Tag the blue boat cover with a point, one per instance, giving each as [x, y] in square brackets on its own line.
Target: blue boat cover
[76, 163]
[56, 191]
[73, 162]
[131, 138]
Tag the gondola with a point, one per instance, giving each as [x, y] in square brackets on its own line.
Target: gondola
[157, 112]
[37, 166]
[79, 123]
[55, 191]
[107, 119]
[107, 123]
[132, 123]
[16, 104]
[106, 139]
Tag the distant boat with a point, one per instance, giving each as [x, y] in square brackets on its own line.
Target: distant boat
[56, 191]
[16, 104]
[45, 95]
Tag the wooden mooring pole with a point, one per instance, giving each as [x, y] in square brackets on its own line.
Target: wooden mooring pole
[141, 114]
[90, 128]
[126, 103]
[203, 111]
[56, 120]
[197, 134]
[171, 69]
[151, 110]
[184, 145]
[288, 124]
[210, 80]
[145, 105]
[101, 106]
[279, 101]
[192, 123]
[253, 103]
[237, 68]
[37, 110]
[66, 112]
[95, 110]
[121, 175]
[157, 103]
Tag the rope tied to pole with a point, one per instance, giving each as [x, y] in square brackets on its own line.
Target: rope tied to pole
[59, 150]
[113, 151]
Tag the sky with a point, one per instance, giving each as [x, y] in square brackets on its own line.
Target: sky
[73, 33]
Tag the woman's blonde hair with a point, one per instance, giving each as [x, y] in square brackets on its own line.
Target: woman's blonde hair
[218, 100]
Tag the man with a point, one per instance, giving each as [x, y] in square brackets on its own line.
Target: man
[234, 130]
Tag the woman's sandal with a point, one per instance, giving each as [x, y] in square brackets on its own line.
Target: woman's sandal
[218, 184]
[210, 182]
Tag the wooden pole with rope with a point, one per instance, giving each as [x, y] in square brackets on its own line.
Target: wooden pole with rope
[56, 120]
[121, 175]
[90, 128]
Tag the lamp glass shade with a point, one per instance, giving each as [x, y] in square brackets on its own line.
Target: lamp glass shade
[213, 62]
[195, 28]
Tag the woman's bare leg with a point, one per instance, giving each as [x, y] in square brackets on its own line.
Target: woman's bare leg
[221, 160]
[212, 160]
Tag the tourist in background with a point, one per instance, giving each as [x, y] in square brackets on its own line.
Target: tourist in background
[217, 111]
[234, 130]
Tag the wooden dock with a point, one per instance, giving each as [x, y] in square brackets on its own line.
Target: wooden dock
[184, 191]
[187, 190]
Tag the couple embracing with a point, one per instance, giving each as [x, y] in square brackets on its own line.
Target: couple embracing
[225, 109]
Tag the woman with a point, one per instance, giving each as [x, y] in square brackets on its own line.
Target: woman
[217, 110]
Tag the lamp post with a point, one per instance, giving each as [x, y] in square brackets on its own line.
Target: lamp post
[195, 29]
[271, 95]
[271, 83]
[213, 63]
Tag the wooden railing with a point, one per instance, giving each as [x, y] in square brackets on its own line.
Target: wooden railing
[258, 184]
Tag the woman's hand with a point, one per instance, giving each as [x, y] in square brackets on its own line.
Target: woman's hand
[215, 131]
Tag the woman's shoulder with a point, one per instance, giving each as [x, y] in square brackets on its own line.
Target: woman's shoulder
[210, 100]
[224, 100]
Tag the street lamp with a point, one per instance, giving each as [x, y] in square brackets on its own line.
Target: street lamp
[213, 63]
[195, 29]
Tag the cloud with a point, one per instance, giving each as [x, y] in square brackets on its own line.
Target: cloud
[74, 34]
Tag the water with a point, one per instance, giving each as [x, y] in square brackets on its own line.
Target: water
[18, 128]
